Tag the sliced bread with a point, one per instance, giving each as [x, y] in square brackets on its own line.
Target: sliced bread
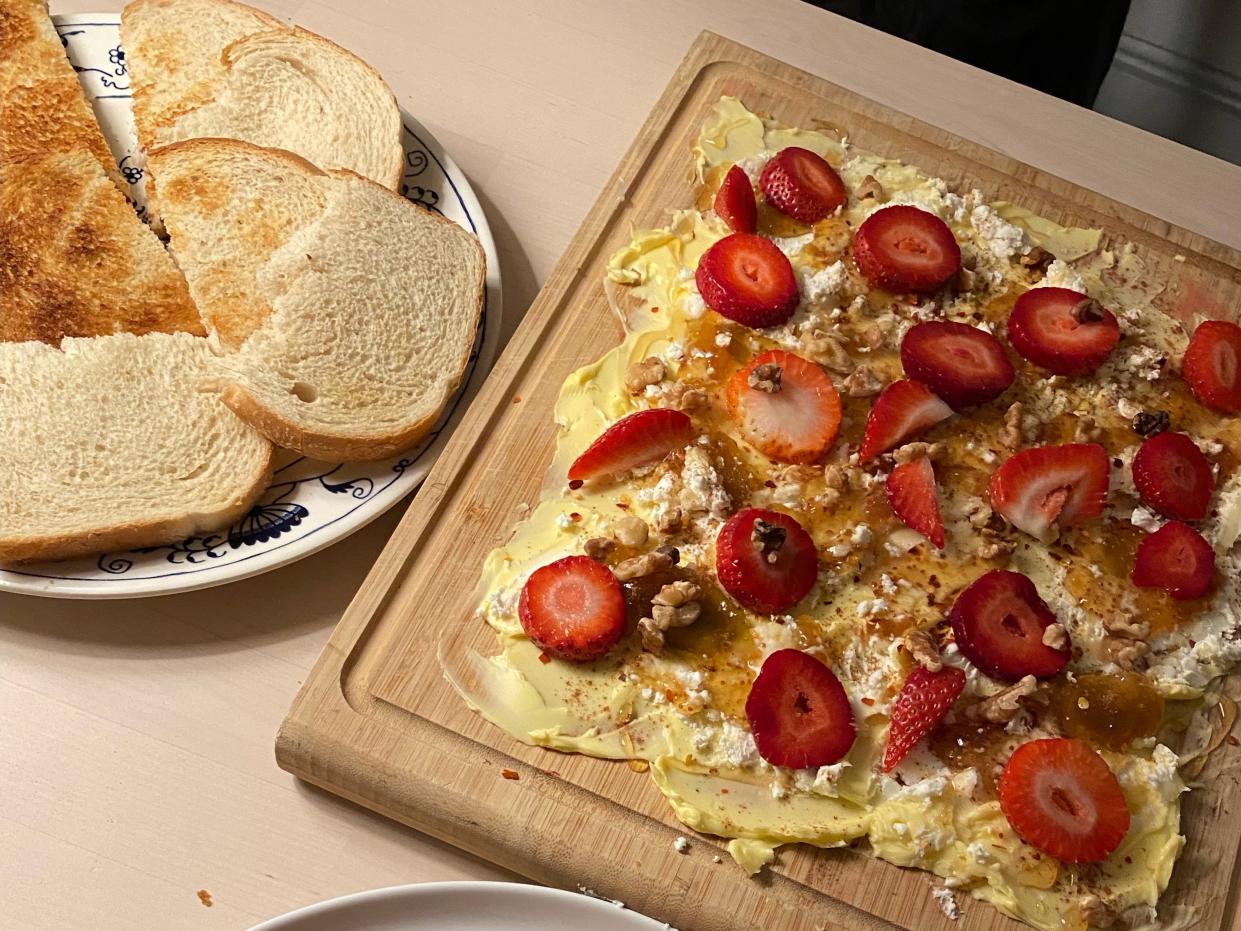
[351, 310]
[109, 445]
[215, 68]
[75, 259]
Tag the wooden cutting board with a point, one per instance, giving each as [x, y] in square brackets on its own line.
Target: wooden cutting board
[377, 723]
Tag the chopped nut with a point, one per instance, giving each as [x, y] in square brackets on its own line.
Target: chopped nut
[1012, 436]
[923, 649]
[1003, 706]
[869, 189]
[1096, 913]
[1148, 423]
[911, 451]
[768, 538]
[599, 548]
[978, 513]
[1056, 637]
[631, 530]
[834, 476]
[871, 336]
[994, 549]
[647, 372]
[819, 343]
[675, 605]
[1037, 259]
[863, 383]
[1086, 431]
[689, 399]
[966, 280]
[1123, 627]
[1127, 654]
[669, 521]
[671, 552]
[644, 565]
[766, 377]
[1088, 311]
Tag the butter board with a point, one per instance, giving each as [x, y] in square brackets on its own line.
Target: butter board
[377, 723]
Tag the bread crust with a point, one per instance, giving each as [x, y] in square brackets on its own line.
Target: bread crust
[18, 550]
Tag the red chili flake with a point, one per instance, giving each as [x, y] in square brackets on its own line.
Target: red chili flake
[205, 897]
[574, 516]
[517, 399]
[769, 483]
[550, 772]
[576, 484]
[723, 791]
[544, 659]
[868, 701]
[1232, 741]
[623, 505]
[510, 774]
[654, 310]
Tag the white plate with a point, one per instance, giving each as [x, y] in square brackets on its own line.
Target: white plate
[309, 504]
[462, 906]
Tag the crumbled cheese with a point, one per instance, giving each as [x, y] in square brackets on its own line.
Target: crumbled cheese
[862, 535]
[681, 845]
[839, 550]
[702, 490]
[824, 283]
[1145, 519]
[753, 165]
[981, 853]
[564, 521]
[723, 338]
[947, 902]
[792, 246]
[1003, 238]
[1062, 275]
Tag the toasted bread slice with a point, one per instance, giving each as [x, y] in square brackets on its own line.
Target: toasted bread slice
[214, 68]
[75, 259]
[108, 444]
[350, 311]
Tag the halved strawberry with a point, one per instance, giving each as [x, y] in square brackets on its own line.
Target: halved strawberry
[573, 609]
[799, 713]
[1061, 797]
[923, 701]
[1212, 365]
[801, 184]
[1174, 476]
[785, 406]
[641, 438]
[1177, 559]
[961, 363]
[1045, 487]
[998, 623]
[903, 410]
[1063, 331]
[912, 494]
[748, 279]
[765, 560]
[902, 248]
[734, 202]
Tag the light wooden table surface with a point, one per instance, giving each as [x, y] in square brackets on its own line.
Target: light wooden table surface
[136, 737]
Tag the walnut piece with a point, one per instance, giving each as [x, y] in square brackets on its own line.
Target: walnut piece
[631, 530]
[871, 336]
[923, 649]
[1124, 627]
[995, 548]
[1012, 436]
[1056, 637]
[966, 280]
[1148, 423]
[978, 513]
[669, 521]
[1004, 705]
[766, 377]
[676, 605]
[649, 371]
[869, 189]
[689, 399]
[646, 564]
[599, 548]
[1037, 258]
[818, 342]
[863, 383]
[911, 451]
[1086, 430]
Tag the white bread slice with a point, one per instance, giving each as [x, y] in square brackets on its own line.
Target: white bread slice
[222, 69]
[364, 305]
[75, 259]
[108, 444]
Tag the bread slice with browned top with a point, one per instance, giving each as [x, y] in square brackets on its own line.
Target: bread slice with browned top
[75, 259]
[215, 68]
[345, 312]
[108, 444]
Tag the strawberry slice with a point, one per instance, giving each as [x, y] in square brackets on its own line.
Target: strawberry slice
[923, 701]
[641, 438]
[765, 560]
[748, 279]
[1212, 365]
[799, 713]
[903, 410]
[1177, 559]
[902, 248]
[998, 622]
[1045, 487]
[961, 363]
[1173, 476]
[785, 406]
[802, 185]
[912, 494]
[1063, 331]
[734, 202]
[573, 609]
[1061, 797]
